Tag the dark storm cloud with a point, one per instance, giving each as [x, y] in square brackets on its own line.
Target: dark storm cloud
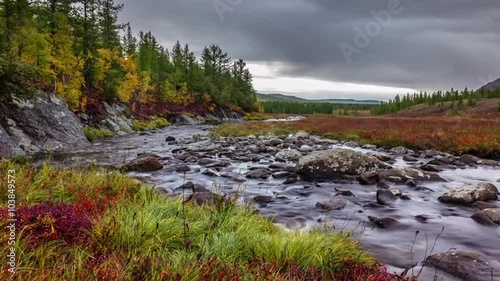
[428, 45]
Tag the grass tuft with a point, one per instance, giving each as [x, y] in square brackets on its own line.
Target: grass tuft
[94, 134]
[156, 123]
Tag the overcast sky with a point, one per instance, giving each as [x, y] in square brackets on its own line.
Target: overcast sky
[338, 49]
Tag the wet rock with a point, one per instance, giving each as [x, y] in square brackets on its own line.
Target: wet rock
[289, 154]
[383, 184]
[411, 183]
[218, 164]
[275, 142]
[264, 199]
[423, 188]
[170, 139]
[369, 178]
[430, 153]
[203, 198]
[487, 216]
[470, 193]
[306, 149]
[403, 175]
[211, 173]
[183, 156]
[405, 197]
[469, 159]
[191, 159]
[430, 168]
[385, 196]
[423, 218]
[400, 150]
[182, 169]
[234, 176]
[369, 146]
[144, 164]
[206, 161]
[143, 155]
[385, 222]
[281, 175]
[384, 157]
[485, 205]
[409, 158]
[337, 163]
[344, 192]
[258, 174]
[332, 205]
[467, 266]
[290, 180]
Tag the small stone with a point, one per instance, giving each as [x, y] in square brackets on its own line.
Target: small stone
[385, 222]
[264, 199]
[332, 205]
[385, 196]
[211, 173]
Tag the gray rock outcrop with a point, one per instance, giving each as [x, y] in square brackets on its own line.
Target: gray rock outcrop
[337, 163]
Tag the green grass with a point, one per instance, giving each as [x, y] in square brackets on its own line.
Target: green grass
[156, 123]
[94, 134]
[257, 118]
[142, 235]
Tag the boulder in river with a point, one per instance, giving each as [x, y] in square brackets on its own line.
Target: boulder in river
[332, 205]
[289, 154]
[468, 266]
[470, 193]
[487, 216]
[385, 196]
[403, 175]
[336, 164]
[144, 164]
[385, 222]
[258, 174]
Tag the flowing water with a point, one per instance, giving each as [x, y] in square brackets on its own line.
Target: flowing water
[294, 205]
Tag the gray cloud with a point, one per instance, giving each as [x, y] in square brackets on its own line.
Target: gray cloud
[429, 45]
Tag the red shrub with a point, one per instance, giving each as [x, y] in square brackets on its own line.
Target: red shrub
[94, 108]
[46, 222]
[93, 202]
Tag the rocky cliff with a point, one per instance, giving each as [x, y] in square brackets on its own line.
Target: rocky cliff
[39, 125]
[45, 124]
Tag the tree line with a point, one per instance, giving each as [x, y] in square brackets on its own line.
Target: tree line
[286, 107]
[80, 50]
[458, 99]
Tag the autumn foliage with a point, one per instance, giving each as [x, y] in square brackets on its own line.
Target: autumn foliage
[456, 135]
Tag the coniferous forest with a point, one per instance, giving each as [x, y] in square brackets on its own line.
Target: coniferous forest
[459, 99]
[80, 50]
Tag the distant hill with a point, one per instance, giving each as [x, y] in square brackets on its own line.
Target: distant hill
[492, 85]
[280, 97]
